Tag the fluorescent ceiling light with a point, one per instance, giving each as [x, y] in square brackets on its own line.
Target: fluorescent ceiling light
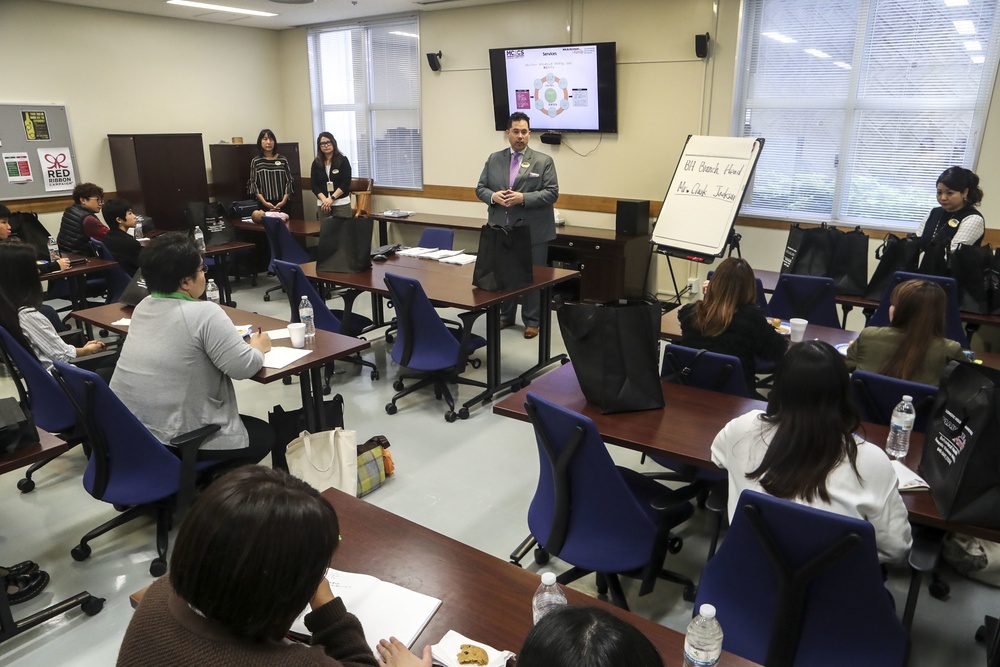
[973, 45]
[219, 8]
[816, 52]
[978, 60]
[778, 37]
[965, 27]
[841, 65]
[956, 3]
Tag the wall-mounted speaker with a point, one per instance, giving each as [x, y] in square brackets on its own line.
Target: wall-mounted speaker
[434, 60]
[701, 45]
[551, 138]
[632, 217]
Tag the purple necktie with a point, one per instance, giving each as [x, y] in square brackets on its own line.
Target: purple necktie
[515, 166]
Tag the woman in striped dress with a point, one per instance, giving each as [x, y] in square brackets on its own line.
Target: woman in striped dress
[270, 177]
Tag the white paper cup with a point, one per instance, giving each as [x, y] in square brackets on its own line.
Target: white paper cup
[798, 327]
[297, 334]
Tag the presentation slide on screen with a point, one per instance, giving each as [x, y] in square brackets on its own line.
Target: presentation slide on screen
[555, 86]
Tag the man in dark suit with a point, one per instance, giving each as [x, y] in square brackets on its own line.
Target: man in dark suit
[519, 185]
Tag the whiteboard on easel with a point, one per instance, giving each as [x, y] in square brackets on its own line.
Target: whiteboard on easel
[705, 194]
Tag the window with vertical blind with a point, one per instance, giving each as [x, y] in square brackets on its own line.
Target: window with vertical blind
[862, 103]
[366, 92]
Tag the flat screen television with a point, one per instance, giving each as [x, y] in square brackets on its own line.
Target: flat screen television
[563, 88]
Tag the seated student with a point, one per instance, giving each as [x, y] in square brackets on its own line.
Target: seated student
[728, 321]
[179, 360]
[249, 556]
[7, 232]
[803, 448]
[120, 218]
[20, 299]
[80, 221]
[913, 346]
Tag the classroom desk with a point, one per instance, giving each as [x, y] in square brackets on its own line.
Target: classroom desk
[48, 446]
[484, 598]
[450, 285]
[327, 348]
[685, 428]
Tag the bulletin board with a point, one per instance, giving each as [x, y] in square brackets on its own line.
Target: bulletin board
[36, 150]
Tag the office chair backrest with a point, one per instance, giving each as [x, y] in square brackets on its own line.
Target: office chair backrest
[953, 328]
[810, 297]
[117, 278]
[760, 298]
[837, 613]
[704, 370]
[436, 237]
[127, 465]
[49, 406]
[361, 191]
[582, 508]
[296, 285]
[423, 341]
[876, 397]
[283, 244]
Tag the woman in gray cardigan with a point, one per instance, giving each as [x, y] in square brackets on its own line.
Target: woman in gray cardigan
[179, 360]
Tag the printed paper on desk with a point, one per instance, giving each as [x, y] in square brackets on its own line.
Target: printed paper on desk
[908, 480]
[384, 609]
[441, 254]
[460, 259]
[415, 251]
[446, 651]
[123, 322]
[244, 329]
[277, 334]
[279, 357]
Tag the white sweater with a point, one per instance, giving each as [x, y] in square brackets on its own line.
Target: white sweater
[175, 369]
[740, 447]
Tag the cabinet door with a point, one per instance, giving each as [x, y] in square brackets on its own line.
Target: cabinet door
[601, 273]
[172, 171]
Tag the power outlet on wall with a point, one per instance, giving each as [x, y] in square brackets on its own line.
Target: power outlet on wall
[692, 288]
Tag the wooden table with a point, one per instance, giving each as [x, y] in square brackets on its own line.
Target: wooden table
[482, 597]
[327, 348]
[48, 446]
[450, 285]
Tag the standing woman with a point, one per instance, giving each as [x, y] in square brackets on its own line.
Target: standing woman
[270, 177]
[331, 179]
[955, 222]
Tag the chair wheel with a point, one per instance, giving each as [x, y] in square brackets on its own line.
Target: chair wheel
[541, 556]
[939, 590]
[475, 363]
[563, 362]
[525, 382]
[374, 374]
[398, 385]
[450, 416]
[981, 634]
[390, 409]
[92, 605]
[690, 593]
[463, 413]
[675, 544]
[25, 485]
[80, 552]
[389, 338]
[120, 508]
[286, 380]
[158, 567]
[326, 390]
[267, 297]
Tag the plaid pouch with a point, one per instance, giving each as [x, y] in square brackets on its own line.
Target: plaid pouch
[371, 464]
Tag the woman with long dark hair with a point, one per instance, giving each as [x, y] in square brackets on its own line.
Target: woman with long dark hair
[270, 177]
[331, 178]
[913, 346]
[728, 321]
[803, 448]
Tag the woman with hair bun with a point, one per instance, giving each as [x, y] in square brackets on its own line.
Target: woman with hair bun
[955, 222]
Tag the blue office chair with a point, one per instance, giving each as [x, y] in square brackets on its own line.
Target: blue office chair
[42, 396]
[426, 345]
[116, 278]
[431, 237]
[953, 328]
[876, 397]
[296, 286]
[810, 297]
[283, 247]
[795, 585]
[594, 515]
[128, 467]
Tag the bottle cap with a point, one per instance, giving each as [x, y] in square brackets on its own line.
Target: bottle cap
[548, 578]
[907, 398]
[707, 610]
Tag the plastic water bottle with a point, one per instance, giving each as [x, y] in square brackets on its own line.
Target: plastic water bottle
[549, 596]
[53, 250]
[903, 416]
[139, 221]
[703, 641]
[212, 292]
[199, 239]
[306, 317]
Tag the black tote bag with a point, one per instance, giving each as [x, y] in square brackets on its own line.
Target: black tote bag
[504, 259]
[615, 352]
[345, 245]
[849, 261]
[971, 267]
[895, 254]
[213, 220]
[792, 246]
[961, 457]
[814, 253]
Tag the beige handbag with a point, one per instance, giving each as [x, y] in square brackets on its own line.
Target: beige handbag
[324, 460]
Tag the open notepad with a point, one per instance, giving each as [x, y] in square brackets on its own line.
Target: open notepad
[384, 609]
[908, 480]
[279, 357]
